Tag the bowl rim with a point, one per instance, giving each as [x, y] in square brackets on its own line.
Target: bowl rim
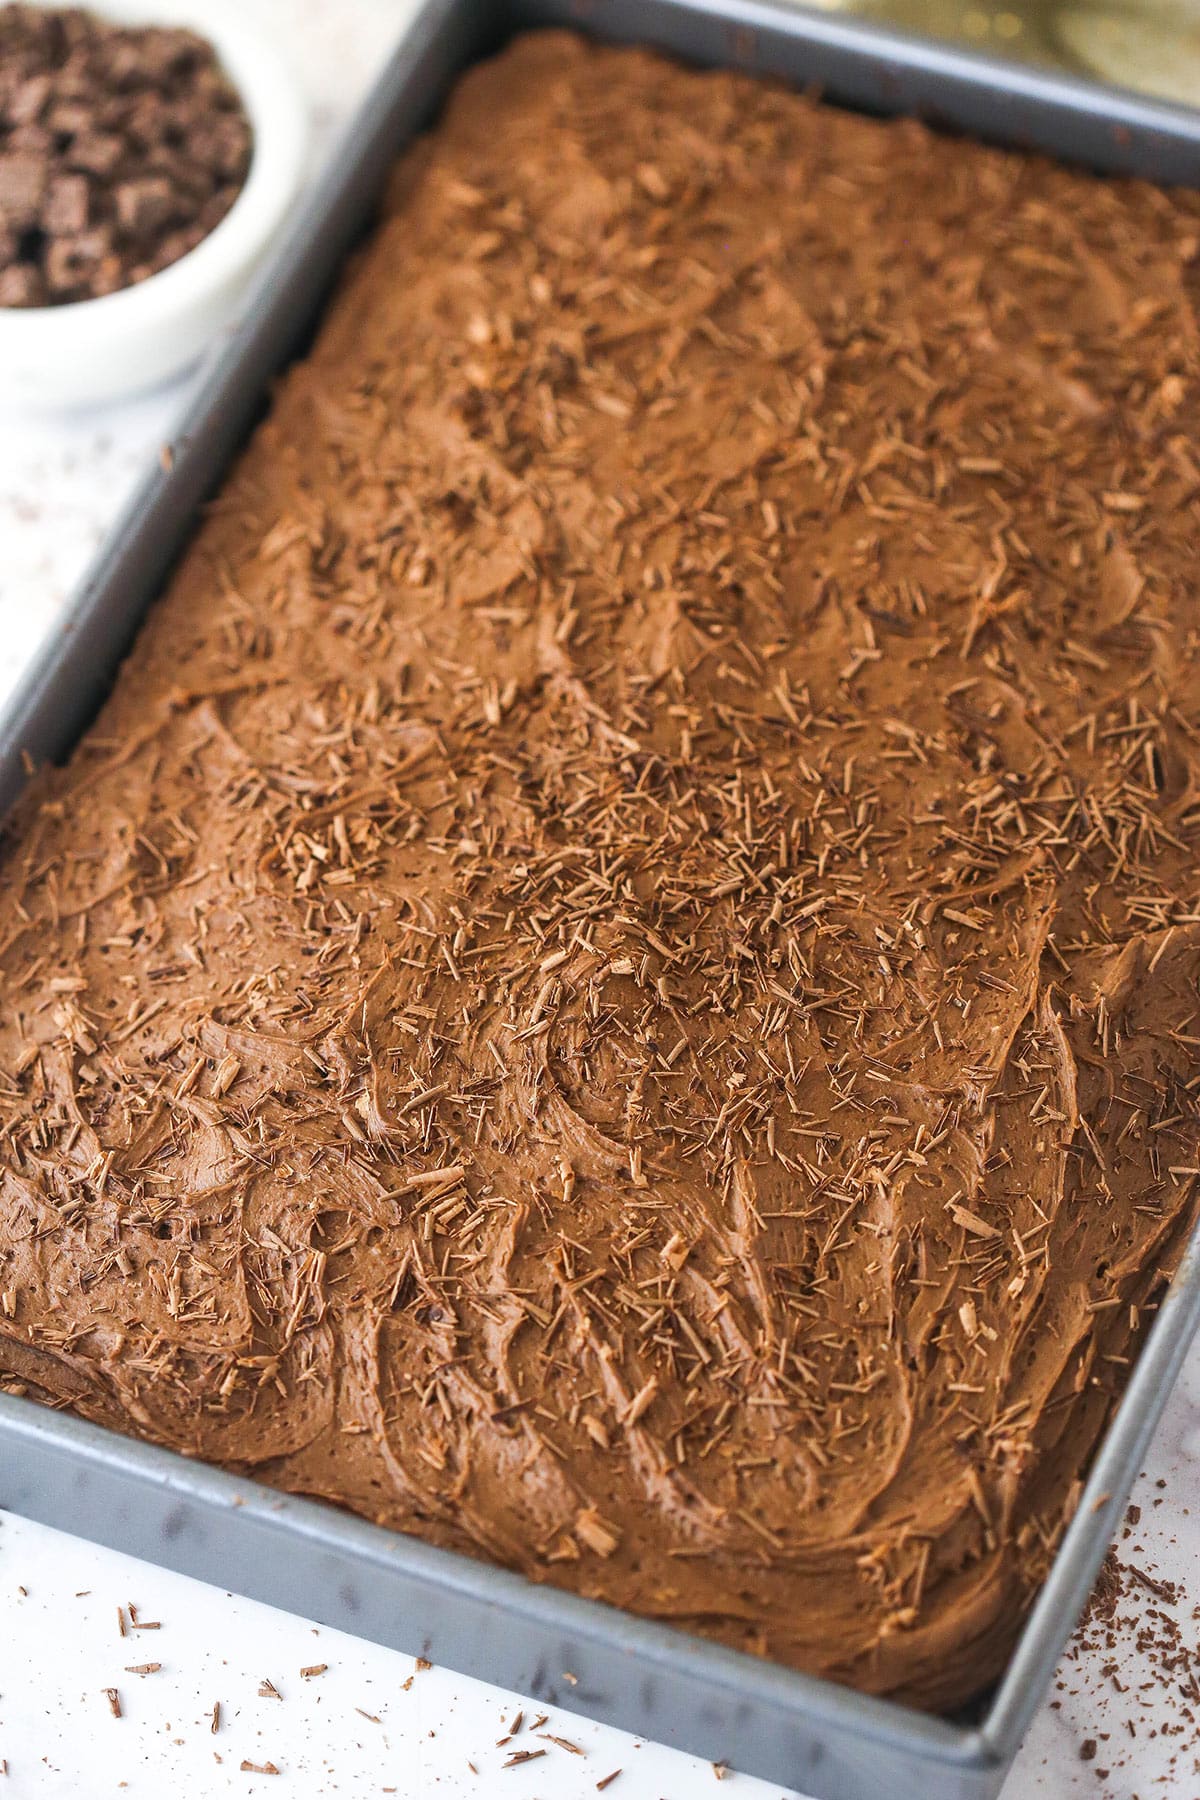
[275, 107]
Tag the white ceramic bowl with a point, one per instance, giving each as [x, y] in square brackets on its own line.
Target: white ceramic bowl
[52, 357]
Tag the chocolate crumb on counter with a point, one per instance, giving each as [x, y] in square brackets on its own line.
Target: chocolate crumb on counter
[563, 1743]
[1139, 1666]
[121, 148]
[519, 1757]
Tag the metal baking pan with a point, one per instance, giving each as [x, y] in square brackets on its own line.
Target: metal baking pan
[309, 1557]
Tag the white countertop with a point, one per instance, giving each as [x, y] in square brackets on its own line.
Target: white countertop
[357, 1728]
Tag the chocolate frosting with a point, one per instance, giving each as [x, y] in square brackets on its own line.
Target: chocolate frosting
[616, 985]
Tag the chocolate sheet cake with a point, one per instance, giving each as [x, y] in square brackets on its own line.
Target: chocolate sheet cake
[616, 984]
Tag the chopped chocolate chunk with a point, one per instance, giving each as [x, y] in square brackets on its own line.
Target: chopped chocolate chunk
[69, 118]
[71, 262]
[177, 244]
[21, 284]
[37, 138]
[121, 148]
[218, 148]
[99, 152]
[144, 206]
[22, 188]
[65, 209]
[26, 104]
